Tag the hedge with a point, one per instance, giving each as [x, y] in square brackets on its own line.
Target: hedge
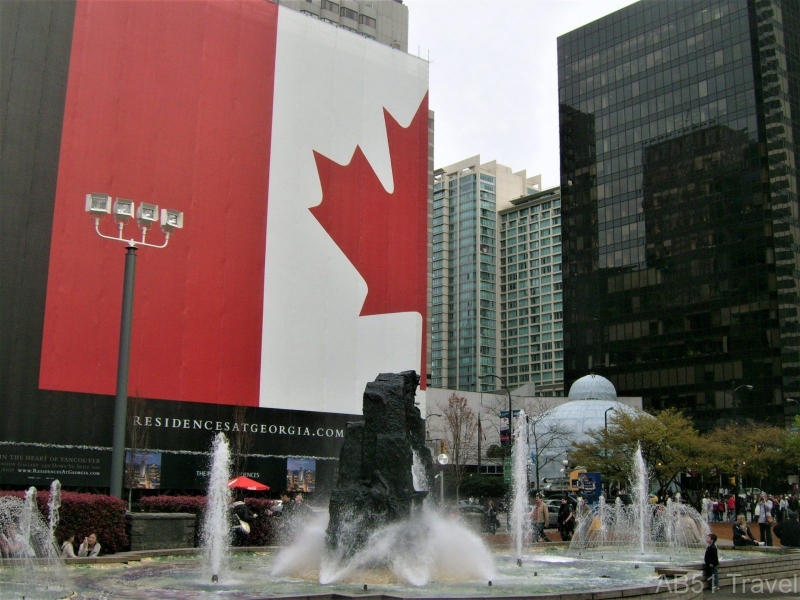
[84, 514]
[262, 530]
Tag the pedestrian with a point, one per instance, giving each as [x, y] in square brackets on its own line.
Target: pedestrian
[707, 508]
[740, 506]
[783, 507]
[742, 536]
[731, 508]
[492, 522]
[765, 519]
[711, 561]
[15, 545]
[90, 547]
[539, 520]
[788, 531]
[67, 549]
[242, 519]
[566, 520]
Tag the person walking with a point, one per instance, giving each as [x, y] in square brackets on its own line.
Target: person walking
[242, 519]
[539, 520]
[731, 508]
[566, 520]
[711, 561]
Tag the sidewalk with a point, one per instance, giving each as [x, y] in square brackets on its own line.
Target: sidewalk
[769, 589]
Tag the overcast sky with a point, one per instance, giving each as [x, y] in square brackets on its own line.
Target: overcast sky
[494, 76]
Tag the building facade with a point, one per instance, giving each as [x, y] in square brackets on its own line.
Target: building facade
[679, 183]
[385, 21]
[531, 313]
[464, 322]
[278, 177]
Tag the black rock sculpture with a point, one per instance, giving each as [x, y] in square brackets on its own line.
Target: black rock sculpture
[375, 484]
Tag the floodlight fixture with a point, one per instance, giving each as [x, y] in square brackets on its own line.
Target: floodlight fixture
[99, 205]
[171, 220]
[147, 215]
[123, 210]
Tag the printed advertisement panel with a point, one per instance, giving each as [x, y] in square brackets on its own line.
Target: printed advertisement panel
[281, 290]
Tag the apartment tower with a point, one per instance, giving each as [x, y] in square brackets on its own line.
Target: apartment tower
[464, 318]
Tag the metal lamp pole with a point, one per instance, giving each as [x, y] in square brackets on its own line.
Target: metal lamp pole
[147, 216]
[510, 412]
[605, 437]
[736, 404]
[123, 367]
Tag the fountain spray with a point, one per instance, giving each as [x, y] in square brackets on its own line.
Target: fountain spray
[641, 496]
[27, 515]
[216, 528]
[54, 504]
[519, 503]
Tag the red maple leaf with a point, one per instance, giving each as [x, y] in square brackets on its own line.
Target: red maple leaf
[383, 235]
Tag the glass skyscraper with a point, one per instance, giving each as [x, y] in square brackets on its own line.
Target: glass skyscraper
[679, 203]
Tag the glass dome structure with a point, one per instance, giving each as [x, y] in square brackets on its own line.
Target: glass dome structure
[591, 399]
[592, 387]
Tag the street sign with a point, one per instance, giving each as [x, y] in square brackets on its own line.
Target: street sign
[443, 459]
[507, 469]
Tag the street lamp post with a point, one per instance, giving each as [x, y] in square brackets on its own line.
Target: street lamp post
[736, 404]
[505, 387]
[147, 216]
[605, 436]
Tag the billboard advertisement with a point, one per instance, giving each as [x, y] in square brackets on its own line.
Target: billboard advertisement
[295, 150]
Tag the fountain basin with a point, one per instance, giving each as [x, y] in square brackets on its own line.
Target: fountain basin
[544, 572]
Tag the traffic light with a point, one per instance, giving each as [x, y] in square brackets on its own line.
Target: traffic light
[732, 480]
[442, 446]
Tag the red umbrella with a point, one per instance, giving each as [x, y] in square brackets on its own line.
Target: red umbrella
[245, 483]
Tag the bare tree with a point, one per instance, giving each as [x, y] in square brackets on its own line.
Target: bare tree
[461, 427]
[241, 441]
[544, 433]
[137, 439]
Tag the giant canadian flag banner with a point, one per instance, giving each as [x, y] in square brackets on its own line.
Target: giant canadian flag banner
[298, 152]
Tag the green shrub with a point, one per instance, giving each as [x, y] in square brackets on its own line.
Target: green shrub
[483, 486]
[85, 514]
[173, 504]
[262, 530]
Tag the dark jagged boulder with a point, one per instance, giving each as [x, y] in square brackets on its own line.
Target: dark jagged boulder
[375, 486]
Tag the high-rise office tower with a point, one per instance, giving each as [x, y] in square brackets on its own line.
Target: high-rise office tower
[383, 20]
[531, 334]
[679, 183]
[464, 319]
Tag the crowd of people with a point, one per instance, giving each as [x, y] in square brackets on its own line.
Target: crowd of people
[776, 515]
[13, 544]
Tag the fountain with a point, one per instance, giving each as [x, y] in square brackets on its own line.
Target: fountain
[53, 505]
[379, 538]
[642, 528]
[216, 526]
[30, 566]
[372, 532]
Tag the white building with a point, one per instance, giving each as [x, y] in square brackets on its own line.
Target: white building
[590, 402]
